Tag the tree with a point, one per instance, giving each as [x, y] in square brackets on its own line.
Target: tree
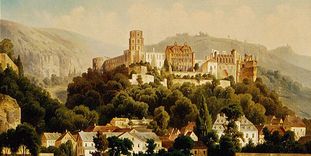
[19, 65]
[67, 148]
[182, 112]
[28, 137]
[101, 144]
[151, 145]
[204, 120]
[119, 146]
[228, 146]
[161, 117]
[139, 80]
[196, 66]
[233, 112]
[166, 65]
[183, 144]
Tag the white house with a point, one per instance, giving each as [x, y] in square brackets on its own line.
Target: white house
[296, 125]
[244, 126]
[49, 139]
[139, 140]
[85, 144]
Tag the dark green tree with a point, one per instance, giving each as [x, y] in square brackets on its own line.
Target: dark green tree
[182, 112]
[119, 146]
[101, 144]
[184, 144]
[151, 145]
[196, 66]
[67, 148]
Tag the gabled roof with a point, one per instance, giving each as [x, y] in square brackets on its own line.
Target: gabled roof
[188, 128]
[52, 136]
[87, 136]
[272, 128]
[293, 121]
[180, 48]
[64, 134]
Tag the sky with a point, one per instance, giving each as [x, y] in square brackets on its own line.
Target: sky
[272, 23]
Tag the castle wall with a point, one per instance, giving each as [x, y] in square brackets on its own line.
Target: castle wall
[145, 78]
[223, 83]
[6, 61]
[209, 67]
[114, 62]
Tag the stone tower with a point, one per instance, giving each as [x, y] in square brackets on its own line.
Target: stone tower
[248, 68]
[136, 46]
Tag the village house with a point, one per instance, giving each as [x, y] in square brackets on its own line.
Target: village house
[244, 126]
[67, 136]
[49, 139]
[295, 124]
[290, 123]
[139, 140]
[85, 144]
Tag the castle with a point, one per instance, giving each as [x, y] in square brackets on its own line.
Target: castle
[181, 59]
[222, 65]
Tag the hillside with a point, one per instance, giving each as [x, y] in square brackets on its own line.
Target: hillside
[51, 51]
[287, 53]
[292, 94]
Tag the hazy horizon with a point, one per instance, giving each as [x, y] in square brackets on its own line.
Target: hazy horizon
[271, 23]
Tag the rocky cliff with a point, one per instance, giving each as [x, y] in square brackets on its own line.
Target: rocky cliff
[51, 51]
[10, 113]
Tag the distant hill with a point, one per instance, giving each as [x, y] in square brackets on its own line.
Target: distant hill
[288, 54]
[203, 44]
[47, 51]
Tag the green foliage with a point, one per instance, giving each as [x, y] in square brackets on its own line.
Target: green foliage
[162, 118]
[23, 135]
[151, 145]
[182, 112]
[233, 112]
[67, 149]
[183, 144]
[276, 143]
[196, 67]
[101, 144]
[119, 146]
[228, 145]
